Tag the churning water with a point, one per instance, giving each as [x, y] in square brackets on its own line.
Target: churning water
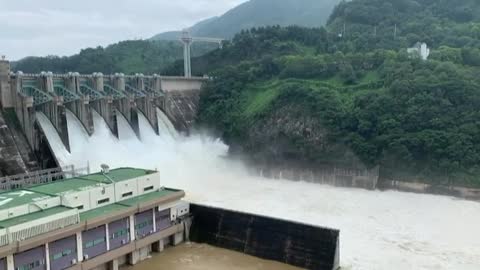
[379, 230]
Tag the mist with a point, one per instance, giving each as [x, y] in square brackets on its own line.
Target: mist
[378, 230]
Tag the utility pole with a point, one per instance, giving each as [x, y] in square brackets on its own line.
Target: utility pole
[187, 45]
[187, 41]
[395, 32]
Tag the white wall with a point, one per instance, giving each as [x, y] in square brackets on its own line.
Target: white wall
[124, 187]
[181, 84]
[101, 193]
[76, 199]
[147, 181]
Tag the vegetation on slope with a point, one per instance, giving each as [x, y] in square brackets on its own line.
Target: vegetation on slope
[153, 56]
[258, 13]
[312, 97]
[129, 57]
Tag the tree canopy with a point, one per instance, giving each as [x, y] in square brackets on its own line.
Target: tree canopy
[297, 93]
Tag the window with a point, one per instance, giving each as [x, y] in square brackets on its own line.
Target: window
[103, 201]
[62, 254]
[148, 188]
[127, 194]
[119, 233]
[29, 266]
[98, 241]
[80, 207]
[142, 225]
[95, 242]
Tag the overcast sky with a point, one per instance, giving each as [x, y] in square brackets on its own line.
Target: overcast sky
[63, 27]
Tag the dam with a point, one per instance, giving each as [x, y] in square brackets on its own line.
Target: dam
[68, 118]
[379, 230]
[394, 234]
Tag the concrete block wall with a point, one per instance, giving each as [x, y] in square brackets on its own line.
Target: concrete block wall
[301, 245]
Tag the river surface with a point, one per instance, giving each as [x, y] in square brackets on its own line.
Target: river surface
[193, 256]
[378, 230]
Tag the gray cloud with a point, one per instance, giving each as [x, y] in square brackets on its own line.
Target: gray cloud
[63, 27]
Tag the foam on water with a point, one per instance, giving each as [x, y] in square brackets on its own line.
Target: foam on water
[379, 230]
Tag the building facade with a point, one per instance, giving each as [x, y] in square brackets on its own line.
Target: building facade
[97, 221]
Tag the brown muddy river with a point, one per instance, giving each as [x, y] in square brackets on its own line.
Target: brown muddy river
[193, 256]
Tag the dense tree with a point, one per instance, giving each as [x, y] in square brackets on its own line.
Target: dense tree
[416, 119]
[129, 57]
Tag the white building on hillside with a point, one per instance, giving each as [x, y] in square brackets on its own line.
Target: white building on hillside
[420, 49]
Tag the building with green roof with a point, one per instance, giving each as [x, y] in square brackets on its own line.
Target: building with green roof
[87, 220]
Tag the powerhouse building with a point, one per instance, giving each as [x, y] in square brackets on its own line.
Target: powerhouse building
[96, 221]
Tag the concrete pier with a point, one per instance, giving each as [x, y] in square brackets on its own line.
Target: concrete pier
[80, 107]
[5, 93]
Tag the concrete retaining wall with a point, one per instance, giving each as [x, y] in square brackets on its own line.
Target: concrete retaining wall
[288, 242]
[334, 176]
[181, 108]
[11, 161]
[460, 192]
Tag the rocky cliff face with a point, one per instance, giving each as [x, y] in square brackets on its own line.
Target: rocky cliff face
[290, 137]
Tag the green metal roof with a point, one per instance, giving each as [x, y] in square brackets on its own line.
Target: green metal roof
[33, 216]
[118, 175]
[59, 187]
[101, 211]
[147, 197]
[33, 194]
[19, 197]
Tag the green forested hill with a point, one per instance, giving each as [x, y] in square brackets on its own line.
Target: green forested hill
[371, 23]
[309, 96]
[152, 56]
[135, 56]
[257, 13]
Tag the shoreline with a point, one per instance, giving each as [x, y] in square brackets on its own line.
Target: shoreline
[365, 179]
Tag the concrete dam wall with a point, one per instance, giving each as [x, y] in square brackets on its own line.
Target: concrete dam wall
[11, 161]
[111, 96]
[296, 244]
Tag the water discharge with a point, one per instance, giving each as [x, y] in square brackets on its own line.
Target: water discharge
[379, 230]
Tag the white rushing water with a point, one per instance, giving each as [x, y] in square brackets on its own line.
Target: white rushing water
[379, 230]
